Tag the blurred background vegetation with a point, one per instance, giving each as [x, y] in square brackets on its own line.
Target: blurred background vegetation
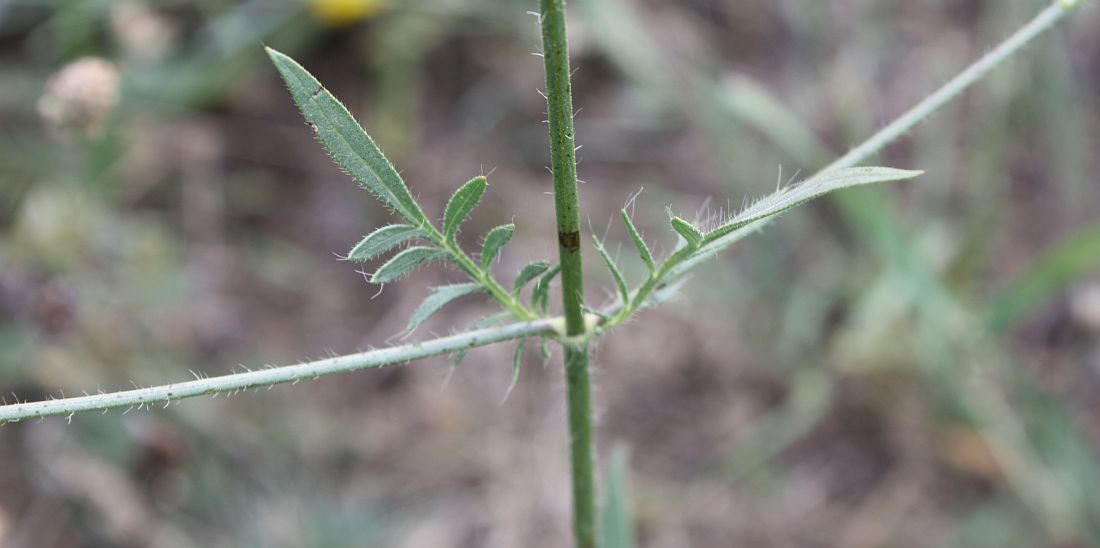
[915, 365]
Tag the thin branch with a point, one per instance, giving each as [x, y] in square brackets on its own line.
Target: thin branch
[1042, 22]
[168, 393]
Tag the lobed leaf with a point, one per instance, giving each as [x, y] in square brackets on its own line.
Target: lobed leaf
[494, 242]
[693, 236]
[346, 141]
[816, 186]
[643, 249]
[438, 299]
[464, 200]
[529, 272]
[540, 295]
[383, 240]
[617, 274]
[405, 262]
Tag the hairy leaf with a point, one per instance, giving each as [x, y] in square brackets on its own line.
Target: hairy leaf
[540, 295]
[494, 242]
[814, 187]
[617, 274]
[529, 272]
[517, 365]
[383, 240]
[643, 249]
[692, 235]
[405, 262]
[461, 204]
[438, 299]
[345, 140]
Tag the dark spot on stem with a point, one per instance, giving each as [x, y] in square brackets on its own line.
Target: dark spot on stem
[570, 240]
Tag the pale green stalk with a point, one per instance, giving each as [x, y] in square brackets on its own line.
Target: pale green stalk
[165, 394]
[683, 262]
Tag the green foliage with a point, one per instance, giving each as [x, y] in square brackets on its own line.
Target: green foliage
[494, 242]
[639, 243]
[438, 299]
[529, 272]
[616, 274]
[814, 187]
[345, 140]
[463, 202]
[693, 236]
[540, 295]
[383, 240]
[405, 262]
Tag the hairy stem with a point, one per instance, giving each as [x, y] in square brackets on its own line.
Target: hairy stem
[559, 97]
[165, 394]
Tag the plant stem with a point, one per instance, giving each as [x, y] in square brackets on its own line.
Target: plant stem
[559, 96]
[1041, 23]
[266, 377]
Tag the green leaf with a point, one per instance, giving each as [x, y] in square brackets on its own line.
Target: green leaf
[383, 240]
[494, 242]
[463, 201]
[1045, 277]
[691, 234]
[517, 365]
[405, 262]
[643, 249]
[345, 140]
[617, 274]
[540, 295]
[483, 323]
[529, 272]
[617, 529]
[438, 299]
[816, 186]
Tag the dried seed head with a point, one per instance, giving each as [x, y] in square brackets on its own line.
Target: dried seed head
[81, 96]
[143, 33]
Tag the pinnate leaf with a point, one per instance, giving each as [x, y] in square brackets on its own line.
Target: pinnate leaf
[438, 299]
[464, 200]
[405, 262]
[383, 240]
[346, 141]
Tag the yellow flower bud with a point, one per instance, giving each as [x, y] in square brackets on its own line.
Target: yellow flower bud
[344, 12]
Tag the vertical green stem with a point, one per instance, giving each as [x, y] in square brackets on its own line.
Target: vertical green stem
[559, 97]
